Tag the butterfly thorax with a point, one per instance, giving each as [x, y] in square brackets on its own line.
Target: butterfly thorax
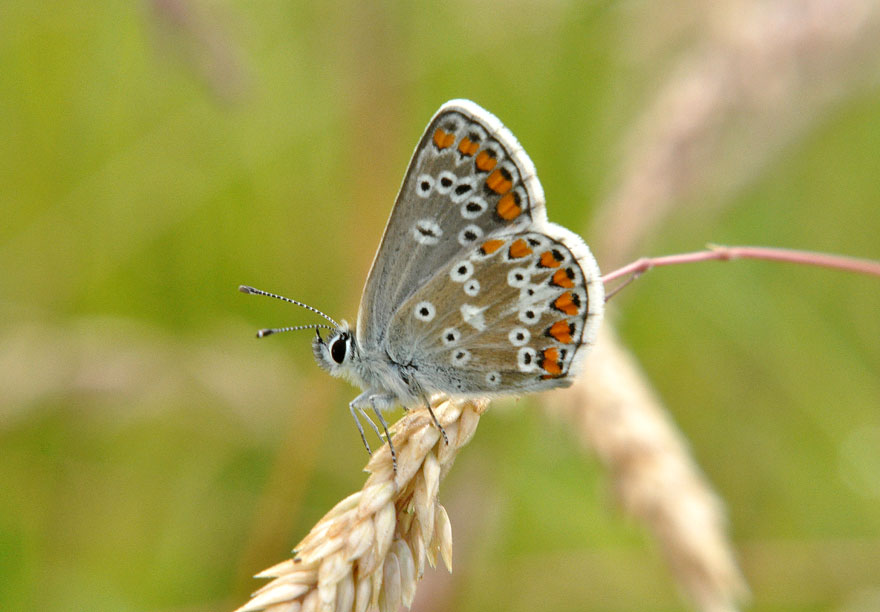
[376, 373]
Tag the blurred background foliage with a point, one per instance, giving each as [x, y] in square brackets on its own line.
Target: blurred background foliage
[154, 155]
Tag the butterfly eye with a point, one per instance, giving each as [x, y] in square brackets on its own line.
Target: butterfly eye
[338, 348]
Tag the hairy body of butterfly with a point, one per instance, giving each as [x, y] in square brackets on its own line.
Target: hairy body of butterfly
[472, 292]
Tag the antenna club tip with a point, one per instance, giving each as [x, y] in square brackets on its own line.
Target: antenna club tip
[264, 332]
[245, 289]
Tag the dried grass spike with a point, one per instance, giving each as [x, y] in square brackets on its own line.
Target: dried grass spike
[407, 571]
[370, 549]
[363, 594]
[443, 535]
[345, 594]
[359, 539]
[390, 598]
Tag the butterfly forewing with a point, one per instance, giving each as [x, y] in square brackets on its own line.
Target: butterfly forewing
[513, 313]
[468, 178]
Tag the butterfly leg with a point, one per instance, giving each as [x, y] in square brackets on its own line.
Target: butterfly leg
[357, 421]
[376, 402]
[387, 435]
[436, 422]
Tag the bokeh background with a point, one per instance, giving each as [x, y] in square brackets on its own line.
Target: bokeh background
[155, 155]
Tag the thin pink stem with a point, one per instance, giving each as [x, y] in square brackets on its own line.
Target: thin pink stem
[725, 253]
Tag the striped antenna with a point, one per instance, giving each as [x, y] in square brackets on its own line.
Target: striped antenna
[277, 330]
[253, 291]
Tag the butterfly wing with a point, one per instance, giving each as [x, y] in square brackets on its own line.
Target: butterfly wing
[512, 314]
[468, 178]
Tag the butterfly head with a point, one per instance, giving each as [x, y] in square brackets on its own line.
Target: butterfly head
[336, 351]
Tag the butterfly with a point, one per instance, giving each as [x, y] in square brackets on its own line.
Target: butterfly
[472, 292]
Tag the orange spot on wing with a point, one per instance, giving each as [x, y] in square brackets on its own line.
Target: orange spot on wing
[566, 303]
[499, 181]
[563, 278]
[552, 367]
[550, 363]
[561, 330]
[485, 162]
[443, 139]
[508, 208]
[490, 246]
[519, 249]
[468, 147]
[551, 353]
[549, 260]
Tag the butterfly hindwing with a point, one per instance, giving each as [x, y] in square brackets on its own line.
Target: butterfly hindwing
[468, 178]
[512, 314]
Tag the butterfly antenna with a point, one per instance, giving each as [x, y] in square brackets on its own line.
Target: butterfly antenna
[253, 291]
[277, 330]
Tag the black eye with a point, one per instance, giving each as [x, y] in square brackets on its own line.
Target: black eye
[338, 349]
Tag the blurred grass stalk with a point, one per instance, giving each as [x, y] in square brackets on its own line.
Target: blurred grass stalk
[763, 72]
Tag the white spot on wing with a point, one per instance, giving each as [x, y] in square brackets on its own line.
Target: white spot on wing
[461, 271]
[463, 189]
[424, 311]
[518, 277]
[472, 287]
[526, 359]
[460, 357]
[469, 235]
[445, 181]
[451, 336]
[426, 231]
[473, 316]
[519, 336]
[530, 315]
[474, 207]
[424, 184]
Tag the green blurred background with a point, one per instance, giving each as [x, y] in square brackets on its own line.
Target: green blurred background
[155, 155]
